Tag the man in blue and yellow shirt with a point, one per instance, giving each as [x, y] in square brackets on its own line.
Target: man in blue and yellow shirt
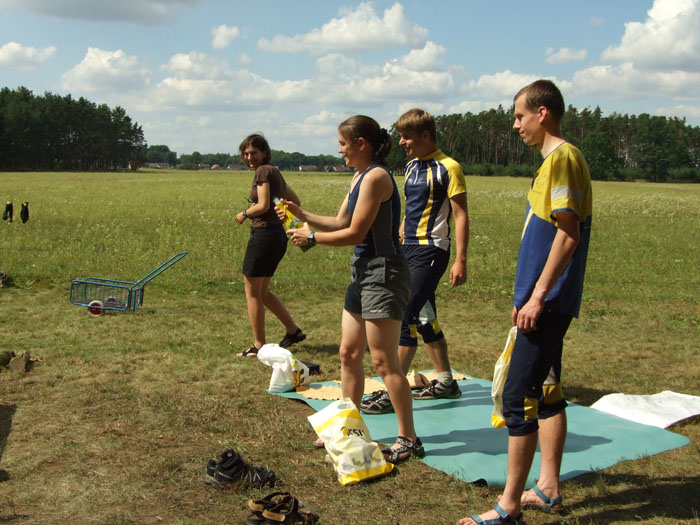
[548, 290]
[435, 191]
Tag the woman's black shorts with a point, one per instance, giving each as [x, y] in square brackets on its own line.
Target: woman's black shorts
[266, 247]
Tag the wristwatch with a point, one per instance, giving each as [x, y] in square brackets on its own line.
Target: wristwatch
[245, 214]
[311, 239]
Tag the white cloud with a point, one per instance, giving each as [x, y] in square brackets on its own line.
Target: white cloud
[626, 81]
[425, 59]
[143, 12]
[222, 36]
[503, 84]
[668, 39]
[564, 55]
[106, 71]
[16, 55]
[477, 106]
[197, 66]
[244, 58]
[358, 30]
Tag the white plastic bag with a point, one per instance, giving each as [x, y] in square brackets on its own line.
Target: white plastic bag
[287, 373]
[500, 373]
[350, 448]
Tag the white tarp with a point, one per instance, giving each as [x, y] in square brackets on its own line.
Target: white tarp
[659, 410]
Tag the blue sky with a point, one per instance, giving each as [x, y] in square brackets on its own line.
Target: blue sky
[199, 75]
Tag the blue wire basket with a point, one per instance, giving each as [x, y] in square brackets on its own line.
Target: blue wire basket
[99, 295]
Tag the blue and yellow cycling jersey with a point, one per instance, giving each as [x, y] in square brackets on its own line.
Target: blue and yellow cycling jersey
[562, 184]
[430, 184]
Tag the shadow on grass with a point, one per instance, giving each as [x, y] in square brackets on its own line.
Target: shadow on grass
[584, 396]
[6, 413]
[644, 498]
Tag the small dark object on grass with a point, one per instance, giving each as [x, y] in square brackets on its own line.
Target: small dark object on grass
[7, 214]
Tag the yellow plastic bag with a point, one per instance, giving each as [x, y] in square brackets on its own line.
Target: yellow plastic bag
[500, 373]
[350, 448]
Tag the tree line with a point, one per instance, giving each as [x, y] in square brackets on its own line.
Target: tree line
[617, 147]
[52, 132]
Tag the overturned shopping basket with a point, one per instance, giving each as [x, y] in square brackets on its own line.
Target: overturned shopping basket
[100, 295]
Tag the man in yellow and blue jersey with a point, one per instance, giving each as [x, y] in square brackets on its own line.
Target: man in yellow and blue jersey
[435, 192]
[548, 290]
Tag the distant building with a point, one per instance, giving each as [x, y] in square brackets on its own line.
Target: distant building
[342, 169]
[158, 165]
[308, 167]
[215, 167]
[204, 166]
[237, 167]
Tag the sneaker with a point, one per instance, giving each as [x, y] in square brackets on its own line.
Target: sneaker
[377, 402]
[292, 339]
[234, 473]
[438, 390]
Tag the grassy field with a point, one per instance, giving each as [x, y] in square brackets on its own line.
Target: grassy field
[117, 420]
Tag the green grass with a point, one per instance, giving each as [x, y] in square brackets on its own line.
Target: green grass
[117, 420]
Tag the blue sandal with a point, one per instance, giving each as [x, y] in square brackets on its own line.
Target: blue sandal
[549, 503]
[504, 518]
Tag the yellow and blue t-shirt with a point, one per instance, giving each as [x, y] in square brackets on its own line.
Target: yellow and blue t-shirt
[562, 183]
[430, 184]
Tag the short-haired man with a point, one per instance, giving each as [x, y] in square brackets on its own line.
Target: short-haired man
[435, 190]
[548, 289]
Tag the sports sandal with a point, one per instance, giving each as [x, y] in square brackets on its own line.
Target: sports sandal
[292, 339]
[290, 512]
[503, 519]
[405, 451]
[377, 402]
[251, 352]
[257, 507]
[232, 472]
[438, 390]
[548, 504]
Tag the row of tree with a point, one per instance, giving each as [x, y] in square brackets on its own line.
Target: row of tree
[616, 147]
[51, 132]
[161, 154]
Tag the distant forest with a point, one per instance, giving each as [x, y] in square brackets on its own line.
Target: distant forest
[51, 132]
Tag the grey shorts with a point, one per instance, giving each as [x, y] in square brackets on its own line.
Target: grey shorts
[380, 287]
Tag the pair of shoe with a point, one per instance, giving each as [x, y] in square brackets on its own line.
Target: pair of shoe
[404, 451]
[279, 507]
[378, 402]
[232, 472]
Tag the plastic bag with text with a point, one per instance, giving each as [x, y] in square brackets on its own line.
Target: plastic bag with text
[500, 373]
[354, 455]
[288, 373]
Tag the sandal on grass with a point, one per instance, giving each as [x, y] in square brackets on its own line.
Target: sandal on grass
[251, 352]
[405, 450]
[258, 506]
[503, 519]
[292, 339]
[548, 505]
[290, 511]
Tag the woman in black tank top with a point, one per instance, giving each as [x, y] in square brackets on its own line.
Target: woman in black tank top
[380, 284]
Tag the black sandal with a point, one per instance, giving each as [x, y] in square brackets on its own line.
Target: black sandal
[251, 352]
[405, 451]
[292, 339]
[290, 512]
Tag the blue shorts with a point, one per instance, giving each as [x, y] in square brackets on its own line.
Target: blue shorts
[379, 287]
[428, 265]
[533, 386]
